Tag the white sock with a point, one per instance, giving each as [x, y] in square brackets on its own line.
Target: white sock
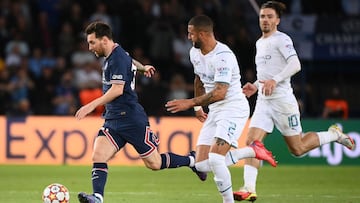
[192, 161]
[233, 156]
[203, 166]
[222, 176]
[326, 137]
[250, 175]
[99, 196]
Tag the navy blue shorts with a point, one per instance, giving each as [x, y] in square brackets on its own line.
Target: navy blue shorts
[136, 133]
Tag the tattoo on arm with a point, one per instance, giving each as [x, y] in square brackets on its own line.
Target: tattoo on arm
[198, 87]
[217, 94]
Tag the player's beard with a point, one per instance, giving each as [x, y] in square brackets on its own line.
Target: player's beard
[99, 54]
[265, 28]
[197, 44]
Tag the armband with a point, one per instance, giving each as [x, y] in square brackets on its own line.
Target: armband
[197, 108]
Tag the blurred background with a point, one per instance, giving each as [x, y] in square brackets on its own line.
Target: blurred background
[46, 68]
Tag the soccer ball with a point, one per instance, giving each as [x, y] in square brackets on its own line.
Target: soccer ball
[56, 193]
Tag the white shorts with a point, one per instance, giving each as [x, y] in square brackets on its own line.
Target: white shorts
[224, 125]
[281, 112]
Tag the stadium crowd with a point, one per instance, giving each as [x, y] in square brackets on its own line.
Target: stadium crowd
[46, 68]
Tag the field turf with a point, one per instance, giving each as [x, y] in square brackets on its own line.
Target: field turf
[284, 184]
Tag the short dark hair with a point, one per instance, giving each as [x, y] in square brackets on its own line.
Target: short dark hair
[277, 6]
[100, 29]
[202, 23]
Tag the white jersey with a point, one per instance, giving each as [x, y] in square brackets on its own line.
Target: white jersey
[271, 56]
[220, 65]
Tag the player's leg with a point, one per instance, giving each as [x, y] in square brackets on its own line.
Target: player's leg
[222, 176]
[225, 136]
[157, 161]
[105, 147]
[251, 167]
[146, 145]
[289, 125]
[204, 142]
[261, 123]
[201, 166]
[301, 144]
[254, 150]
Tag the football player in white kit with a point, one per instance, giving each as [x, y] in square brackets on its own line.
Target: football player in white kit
[276, 61]
[217, 85]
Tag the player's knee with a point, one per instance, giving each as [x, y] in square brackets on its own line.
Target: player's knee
[99, 157]
[153, 165]
[298, 152]
[250, 140]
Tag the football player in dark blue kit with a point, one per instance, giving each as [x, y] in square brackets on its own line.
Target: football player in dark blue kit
[125, 119]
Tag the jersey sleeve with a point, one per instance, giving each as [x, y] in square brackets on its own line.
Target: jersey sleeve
[222, 66]
[286, 47]
[117, 72]
[191, 57]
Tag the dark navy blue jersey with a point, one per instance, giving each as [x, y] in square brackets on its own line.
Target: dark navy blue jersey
[117, 69]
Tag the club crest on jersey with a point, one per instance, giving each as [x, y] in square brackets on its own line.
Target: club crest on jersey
[196, 63]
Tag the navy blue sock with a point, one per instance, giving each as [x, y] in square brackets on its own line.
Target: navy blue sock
[171, 160]
[98, 176]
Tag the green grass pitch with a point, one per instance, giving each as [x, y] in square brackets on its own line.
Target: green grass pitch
[284, 184]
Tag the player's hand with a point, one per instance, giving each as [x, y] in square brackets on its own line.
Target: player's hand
[268, 87]
[249, 89]
[149, 71]
[177, 105]
[201, 115]
[84, 111]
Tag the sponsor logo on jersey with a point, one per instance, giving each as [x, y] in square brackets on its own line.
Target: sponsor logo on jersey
[117, 77]
[223, 70]
[290, 47]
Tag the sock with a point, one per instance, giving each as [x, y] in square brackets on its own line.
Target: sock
[98, 177]
[192, 161]
[250, 175]
[203, 166]
[233, 156]
[171, 160]
[99, 196]
[222, 176]
[326, 137]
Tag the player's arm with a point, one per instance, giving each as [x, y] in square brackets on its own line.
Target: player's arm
[198, 87]
[217, 94]
[293, 66]
[287, 50]
[147, 70]
[198, 91]
[114, 91]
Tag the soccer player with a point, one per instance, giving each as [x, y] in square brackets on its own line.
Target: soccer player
[276, 62]
[217, 85]
[125, 119]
